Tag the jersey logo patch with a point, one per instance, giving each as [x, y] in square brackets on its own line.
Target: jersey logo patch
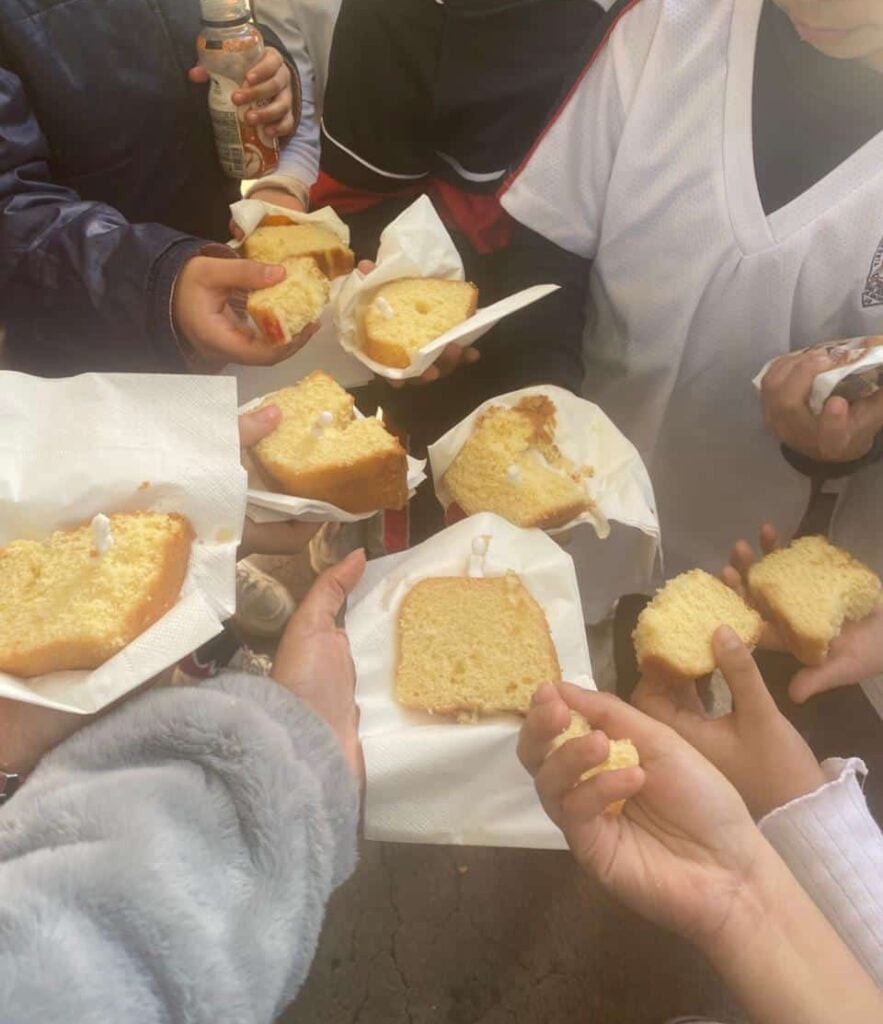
[873, 293]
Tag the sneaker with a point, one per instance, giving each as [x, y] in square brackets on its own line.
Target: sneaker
[263, 604]
[335, 541]
[248, 661]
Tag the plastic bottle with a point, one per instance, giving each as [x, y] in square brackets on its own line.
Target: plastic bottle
[229, 45]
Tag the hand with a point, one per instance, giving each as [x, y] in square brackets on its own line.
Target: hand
[203, 313]
[755, 746]
[841, 433]
[268, 83]
[285, 538]
[683, 850]
[853, 657]
[735, 575]
[450, 358]
[314, 660]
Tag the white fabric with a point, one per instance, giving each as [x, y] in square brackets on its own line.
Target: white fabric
[835, 850]
[649, 171]
[305, 27]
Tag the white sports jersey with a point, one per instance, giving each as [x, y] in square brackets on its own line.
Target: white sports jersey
[648, 169]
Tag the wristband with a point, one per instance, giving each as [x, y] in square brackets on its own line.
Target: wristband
[815, 469]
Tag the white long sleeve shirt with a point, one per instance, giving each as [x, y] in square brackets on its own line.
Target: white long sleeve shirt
[834, 848]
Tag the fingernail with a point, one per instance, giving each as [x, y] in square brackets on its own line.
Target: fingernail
[727, 638]
[269, 414]
[273, 274]
[236, 97]
[251, 117]
[544, 694]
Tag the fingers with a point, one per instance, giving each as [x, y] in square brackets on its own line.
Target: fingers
[769, 538]
[320, 608]
[834, 430]
[548, 717]
[269, 70]
[241, 275]
[836, 672]
[867, 417]
[562, 770]
[674, 703]
[751, 698]
[198, 75]
[255, 426]
[366, 266]
[591, 799]
[795, 389]
[616, 718]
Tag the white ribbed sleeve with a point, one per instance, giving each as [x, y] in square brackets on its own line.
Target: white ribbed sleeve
[834, 848]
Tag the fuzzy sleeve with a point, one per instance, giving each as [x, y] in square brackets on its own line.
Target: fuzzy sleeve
[173, 860]
[834, 848]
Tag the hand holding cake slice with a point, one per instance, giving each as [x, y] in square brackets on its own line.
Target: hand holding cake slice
[321, 450]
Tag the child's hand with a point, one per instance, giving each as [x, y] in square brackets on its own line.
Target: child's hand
[735, 575]
[854, 656]
[684, 847]
[756, 747]
[841, 433]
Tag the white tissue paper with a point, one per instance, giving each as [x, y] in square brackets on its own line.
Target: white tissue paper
[322, 351]
[417, 244]
[123, 443]
[859, 374]
[430, 779]
[272, 507]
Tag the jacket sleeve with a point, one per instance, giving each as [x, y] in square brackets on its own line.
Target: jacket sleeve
[172, 861]
[834, 848]
[69, 261]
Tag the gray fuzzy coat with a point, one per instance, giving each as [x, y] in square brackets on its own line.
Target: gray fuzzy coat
[172, 862]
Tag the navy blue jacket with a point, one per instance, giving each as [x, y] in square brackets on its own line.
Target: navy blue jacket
[108, 180]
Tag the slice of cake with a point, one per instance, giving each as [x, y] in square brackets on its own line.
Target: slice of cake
[278, 240]
[479, 645]
[78, 598]
[808, 591]
[511, 465]
[320, 450]
[674, 631]
[283, 310]
[408, 314]
[622, 754]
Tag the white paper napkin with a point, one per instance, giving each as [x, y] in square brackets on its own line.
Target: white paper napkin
[272, 507]
[72, 448]
[322, 351]
[417, 244]
[858, 377]
[430, 779]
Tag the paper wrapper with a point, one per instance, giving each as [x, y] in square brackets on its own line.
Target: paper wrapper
[859, 374]
[272, 507]
[430, 779]
[322, 351]
[620, 486]
[416, 244]
[123, 443]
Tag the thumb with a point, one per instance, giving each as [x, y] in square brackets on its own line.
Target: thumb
[327, 596]
[198, 74]
[833, 428]
[867, 414]
[750, 694]
[835, 672]
[256, 425]
[241, 275]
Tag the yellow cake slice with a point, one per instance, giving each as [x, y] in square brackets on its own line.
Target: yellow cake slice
[321, 450]
[283, 310]
[674, 631]
[278, 240]
[809, 590]
[621, 754]
[79, 597]
[472, 645]
[511, 465]
[406, 315]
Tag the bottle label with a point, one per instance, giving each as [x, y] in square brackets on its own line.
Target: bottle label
[244, 150]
